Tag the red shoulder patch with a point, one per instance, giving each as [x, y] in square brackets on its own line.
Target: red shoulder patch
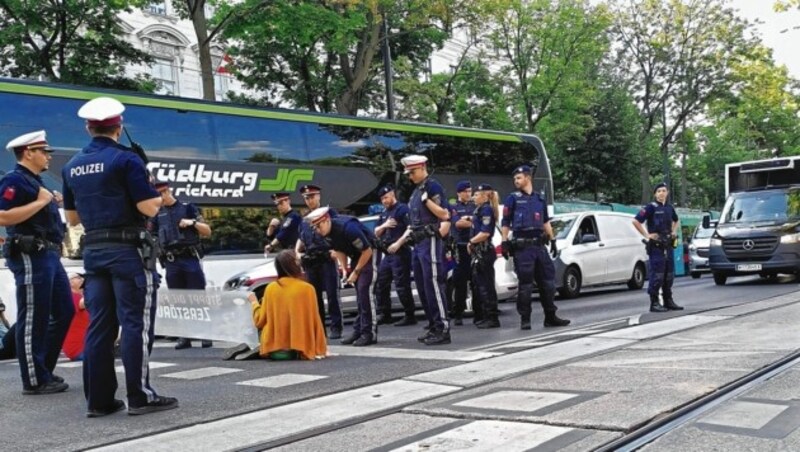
[643, 212]
[9, 194]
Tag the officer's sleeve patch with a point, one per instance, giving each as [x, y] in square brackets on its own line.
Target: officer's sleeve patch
[436, 199]
[287, 222]
[358, 244]
[643, 212]
[487, 221]
[9, 193]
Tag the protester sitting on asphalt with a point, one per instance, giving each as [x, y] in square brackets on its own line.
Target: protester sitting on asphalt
[287, 315]
[76, 335]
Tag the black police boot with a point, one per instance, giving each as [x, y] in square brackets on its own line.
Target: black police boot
[365, 340]
[491, 322]
[428, 333]
[525, 322]
[183, 343]
[407, 320]
[385, 319]
[669, 303]
[160, 403]
[336, 333]
[458, 320]
[551, 319]
[655, 306]
[350, 339]
[438, 338]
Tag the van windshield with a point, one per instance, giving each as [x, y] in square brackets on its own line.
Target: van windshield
[702, 233]
[562, 225]
[770, 207]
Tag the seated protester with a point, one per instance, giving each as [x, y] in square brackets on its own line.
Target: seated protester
[8, 348]
[288, 316]
[76, 335]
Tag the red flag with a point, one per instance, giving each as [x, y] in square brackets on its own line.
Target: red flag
[225, 65]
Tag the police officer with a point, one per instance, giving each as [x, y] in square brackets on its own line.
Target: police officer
[429, 223]
[350, 237]
[662, 224]
[319, 264]
[483, 256]
[33, 253]
[525, 213]
[283, 232]
[461, 217]
[179, 227]
[394, 261]
[107, 188]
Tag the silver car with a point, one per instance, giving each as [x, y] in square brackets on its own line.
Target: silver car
[698, 251]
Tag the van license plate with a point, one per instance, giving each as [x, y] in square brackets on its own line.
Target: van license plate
[748, 267]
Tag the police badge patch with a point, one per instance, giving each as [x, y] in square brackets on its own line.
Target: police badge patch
[287, 222]
[487, 221]
[358, 244]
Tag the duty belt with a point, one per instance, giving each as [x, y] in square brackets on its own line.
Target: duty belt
[528, 242]
[125, 236]
[187, 251]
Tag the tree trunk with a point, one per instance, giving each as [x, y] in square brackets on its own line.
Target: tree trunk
[683, 177]
[198, 17]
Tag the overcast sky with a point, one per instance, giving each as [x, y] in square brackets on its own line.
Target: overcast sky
[781, 31]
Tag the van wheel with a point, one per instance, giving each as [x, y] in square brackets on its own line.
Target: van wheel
[720, 279]
[637, 278]
[571, 285]
[695, 275]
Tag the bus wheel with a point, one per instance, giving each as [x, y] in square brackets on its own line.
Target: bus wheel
[720, 279]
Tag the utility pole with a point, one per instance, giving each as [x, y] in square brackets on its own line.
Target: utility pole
[387, 70]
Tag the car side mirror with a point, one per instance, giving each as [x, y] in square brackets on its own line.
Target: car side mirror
[706, 222]
[589, 238]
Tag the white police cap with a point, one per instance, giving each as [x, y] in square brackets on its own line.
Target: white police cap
[317, 215]
[33, 140]
[413, 161]
[102, 111]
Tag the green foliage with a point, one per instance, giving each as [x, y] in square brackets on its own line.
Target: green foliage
[69, 41]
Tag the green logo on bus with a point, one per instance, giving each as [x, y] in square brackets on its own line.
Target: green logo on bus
[286, 180]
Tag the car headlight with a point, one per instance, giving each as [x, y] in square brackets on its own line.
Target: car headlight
[790, 238]
[716, 242]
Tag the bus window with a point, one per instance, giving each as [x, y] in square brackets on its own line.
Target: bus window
[261, 140]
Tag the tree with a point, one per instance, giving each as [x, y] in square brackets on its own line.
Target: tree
[69, 41]
[678, 56]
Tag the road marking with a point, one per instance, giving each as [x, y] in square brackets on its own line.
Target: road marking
[582, 330]
[290, 420]
[280, 381]
[526, 401]
[489, 436]
[408, 353]
[70, 365]
[203, 372]
[153, 365]
[740, 414]
[634, 320]
[660, 328]
[474, 373]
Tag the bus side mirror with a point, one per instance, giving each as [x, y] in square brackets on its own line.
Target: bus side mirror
[706, 222]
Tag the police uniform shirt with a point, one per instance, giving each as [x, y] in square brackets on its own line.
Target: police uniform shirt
[458, 211]
[108, 181]
[349, 236]
[312, 241]
[483, 220]
[20, 187]
[289, 230]
[525, 214]
[659, 217]
[401, 214]
[174, 235]
[420, 214]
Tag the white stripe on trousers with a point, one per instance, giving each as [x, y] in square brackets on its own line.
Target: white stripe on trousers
[374, 328]
[148, 304]
[28, 338]
[437, 293]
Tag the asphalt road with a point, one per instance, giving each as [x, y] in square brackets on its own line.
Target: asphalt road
[211, 389]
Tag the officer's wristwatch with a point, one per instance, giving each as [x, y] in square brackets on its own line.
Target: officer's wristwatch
[194, 222]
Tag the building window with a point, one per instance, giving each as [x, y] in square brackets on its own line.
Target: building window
[163, 71]
[159, 8]
[221, 86]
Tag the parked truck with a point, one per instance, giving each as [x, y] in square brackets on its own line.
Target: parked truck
[758, 231]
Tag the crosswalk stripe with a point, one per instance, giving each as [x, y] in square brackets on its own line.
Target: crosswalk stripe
[489, 436]
[408, 353]
[203, 372]
[153, 365]
[280, 381]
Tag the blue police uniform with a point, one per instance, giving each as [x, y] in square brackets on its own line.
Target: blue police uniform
[462, 270]
[351, 237]
[395, 267]
[44, 300]
[427, 261]
[322, 273]
[659, 218]
[103, 183]
[483, 257]
[526, 215]
[289, 230]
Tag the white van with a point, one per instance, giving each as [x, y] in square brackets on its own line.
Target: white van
[597, 248]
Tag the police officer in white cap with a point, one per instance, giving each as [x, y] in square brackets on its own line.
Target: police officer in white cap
[33, 253]
[107, 188]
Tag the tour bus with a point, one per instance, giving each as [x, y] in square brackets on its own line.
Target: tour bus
[230, 158]
[758, 230]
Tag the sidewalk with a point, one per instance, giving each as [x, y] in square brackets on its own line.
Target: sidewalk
[573, 395]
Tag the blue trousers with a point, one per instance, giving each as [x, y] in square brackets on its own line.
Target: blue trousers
[429, 277]
[461, 280]
[366, 323]
[185, 273]
[484, 293]
[325, 277]
[395, 267]
[119, 291]
[44, 312]
[661, 273]
[534, 263]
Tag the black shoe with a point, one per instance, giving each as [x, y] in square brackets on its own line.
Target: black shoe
[525, 323]
[115, 406]
[47, 388]
[336, 333]
[183, 343]
[670, 304]
[486, 324]
[425, 336]
[159, 404]
[655, 307]
[58, 379]
[406, 321]
[458, 321]
[350, 339]
[554, 320]
[249, 354]
[231, 353]
[384, 319]
[206, 344]
[439, 338]
[364, 340]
